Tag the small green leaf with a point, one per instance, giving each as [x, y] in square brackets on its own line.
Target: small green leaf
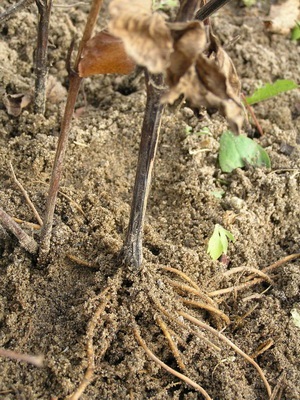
[218, 242]
[296, 32]
[271, 90]
[237, 151]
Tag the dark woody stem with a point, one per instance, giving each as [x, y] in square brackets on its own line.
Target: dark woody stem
[209, 8]
[131, 253]
[41, 68]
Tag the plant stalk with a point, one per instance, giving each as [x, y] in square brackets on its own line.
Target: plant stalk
[131, 253]
[57, 169]
[41, 68]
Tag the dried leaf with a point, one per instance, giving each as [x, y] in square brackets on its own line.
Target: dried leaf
[105, 54]
[195, 65]
[146, 37]
[189, 40]
[14, 103]
[282, 17]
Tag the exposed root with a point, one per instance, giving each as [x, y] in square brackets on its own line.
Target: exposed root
[171, 343]
[251, 281]
[89, 373]
[256, 271]
[166, 367]
[229, 342]
[207, 307]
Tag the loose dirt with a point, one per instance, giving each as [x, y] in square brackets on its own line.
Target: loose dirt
[47, 310]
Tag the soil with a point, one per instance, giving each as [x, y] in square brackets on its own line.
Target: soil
[47, 310]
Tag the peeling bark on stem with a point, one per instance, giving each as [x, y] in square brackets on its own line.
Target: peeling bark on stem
[131, 253]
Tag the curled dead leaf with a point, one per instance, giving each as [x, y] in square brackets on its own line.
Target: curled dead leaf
[14, 103]
[282, 17]
[194, 63]
[105, 54]
[146, 37]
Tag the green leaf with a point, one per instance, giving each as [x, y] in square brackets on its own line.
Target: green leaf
[218, 242]
[237, 151]
[271, 90]
[249, 3]
[296, 32]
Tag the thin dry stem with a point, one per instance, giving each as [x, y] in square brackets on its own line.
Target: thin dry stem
[172, 371]
[41, 68]
[171, 342]
[230, 343]
[75, 82]
[26, 196]
[27, 242]
[34, 360]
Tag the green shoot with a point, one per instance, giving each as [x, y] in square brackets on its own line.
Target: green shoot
[203, 131]
[296, 31]
[271, 90]
[238, 151]
[218, 242]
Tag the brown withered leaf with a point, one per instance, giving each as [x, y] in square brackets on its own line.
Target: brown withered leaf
[146, 37]
[193, 61]
[283, 17]
[14, 103]
[105, 54]
[189, 40]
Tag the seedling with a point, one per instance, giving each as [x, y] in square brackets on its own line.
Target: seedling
[271, 90]
[238, 151]
[218, 242]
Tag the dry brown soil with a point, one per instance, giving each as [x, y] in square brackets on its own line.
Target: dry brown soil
[47, 310]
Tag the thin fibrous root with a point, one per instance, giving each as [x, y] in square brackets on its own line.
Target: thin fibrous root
[171, 343]
[183, 276]
[89, 373]
[172, 371]
[187, 288]
[81, 262]
[254, 281]
[230, 343]
[207, 307]
[176, 321]
[218, 315]
[255, 271]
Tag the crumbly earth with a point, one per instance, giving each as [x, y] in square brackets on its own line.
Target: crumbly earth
[47, 310]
